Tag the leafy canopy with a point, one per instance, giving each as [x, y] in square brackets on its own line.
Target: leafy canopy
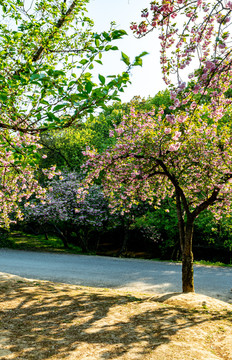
[47, 54]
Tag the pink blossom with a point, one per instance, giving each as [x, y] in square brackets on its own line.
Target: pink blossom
[171, 118]
[177, 135]
[174, 147]
[167, 130]
[229, 5]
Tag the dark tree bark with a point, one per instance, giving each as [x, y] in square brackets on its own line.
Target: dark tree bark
[186, 238]
[84, 239]
[125, 227]
[187, 259]
[180, 220]
[62, 237]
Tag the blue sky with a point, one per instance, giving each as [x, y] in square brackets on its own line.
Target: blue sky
[146, 80]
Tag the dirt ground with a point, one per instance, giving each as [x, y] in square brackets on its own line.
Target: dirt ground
[43, 320]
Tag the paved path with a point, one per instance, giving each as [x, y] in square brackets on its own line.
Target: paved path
[100, 271]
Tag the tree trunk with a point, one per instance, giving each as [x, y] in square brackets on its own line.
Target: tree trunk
[62, 236]
[187, 259]
[125, 226]
[84, 239]
[180, 216]
[186, 238]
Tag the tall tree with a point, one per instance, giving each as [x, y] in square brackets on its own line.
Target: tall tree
[190, 31]
[158, 155]
[48, 50]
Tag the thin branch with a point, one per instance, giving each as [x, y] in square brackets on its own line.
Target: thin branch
[57, 26]
[174, 181]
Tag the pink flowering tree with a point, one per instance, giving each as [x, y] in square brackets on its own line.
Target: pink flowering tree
[195, 57]
[158, 155]
[60, 209]
[17, 181]
[48, 51]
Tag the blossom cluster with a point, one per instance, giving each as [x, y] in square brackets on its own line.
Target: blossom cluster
[17, 174]
[60, 205]
[187, 31]
[153, 156]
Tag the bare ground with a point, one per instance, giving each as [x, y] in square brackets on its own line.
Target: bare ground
[44, 320]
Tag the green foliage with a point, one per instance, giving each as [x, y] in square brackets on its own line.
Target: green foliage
[161, 221]
[218, 234]
[36, 41]
[64, 147]
[20, 240]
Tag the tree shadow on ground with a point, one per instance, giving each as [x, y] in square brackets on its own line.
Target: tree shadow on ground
[52, 321]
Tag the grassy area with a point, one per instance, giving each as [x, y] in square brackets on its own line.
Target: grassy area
[21, 241]
[199, 262]
[217, 263]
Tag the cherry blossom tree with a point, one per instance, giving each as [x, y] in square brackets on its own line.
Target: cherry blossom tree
[195, 46]
[158, 155]
[48, 51]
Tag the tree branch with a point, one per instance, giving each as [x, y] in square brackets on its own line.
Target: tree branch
[58, 25]
[206, 203]
[175, 183]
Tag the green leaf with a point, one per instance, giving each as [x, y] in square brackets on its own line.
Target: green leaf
[117, 34]
[138, 62]
[143, 54]
[34, 77]
[84, 61]
[108, 47]
[106, 36]
[99, 62]
[45, 102]
[102, 79]
[88, 75]
[3, 97]
[59, 107]
[58, 73]
[97, 42]
[52, 117]
[125, 58]
[116, 98]
[88, 87]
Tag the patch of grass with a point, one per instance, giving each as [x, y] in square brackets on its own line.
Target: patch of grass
[199, 262]
[210, 263]
[21, 241]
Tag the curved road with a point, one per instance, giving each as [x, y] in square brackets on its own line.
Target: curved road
[100, 271]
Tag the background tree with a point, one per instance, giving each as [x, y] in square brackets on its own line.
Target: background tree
[60, 210]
